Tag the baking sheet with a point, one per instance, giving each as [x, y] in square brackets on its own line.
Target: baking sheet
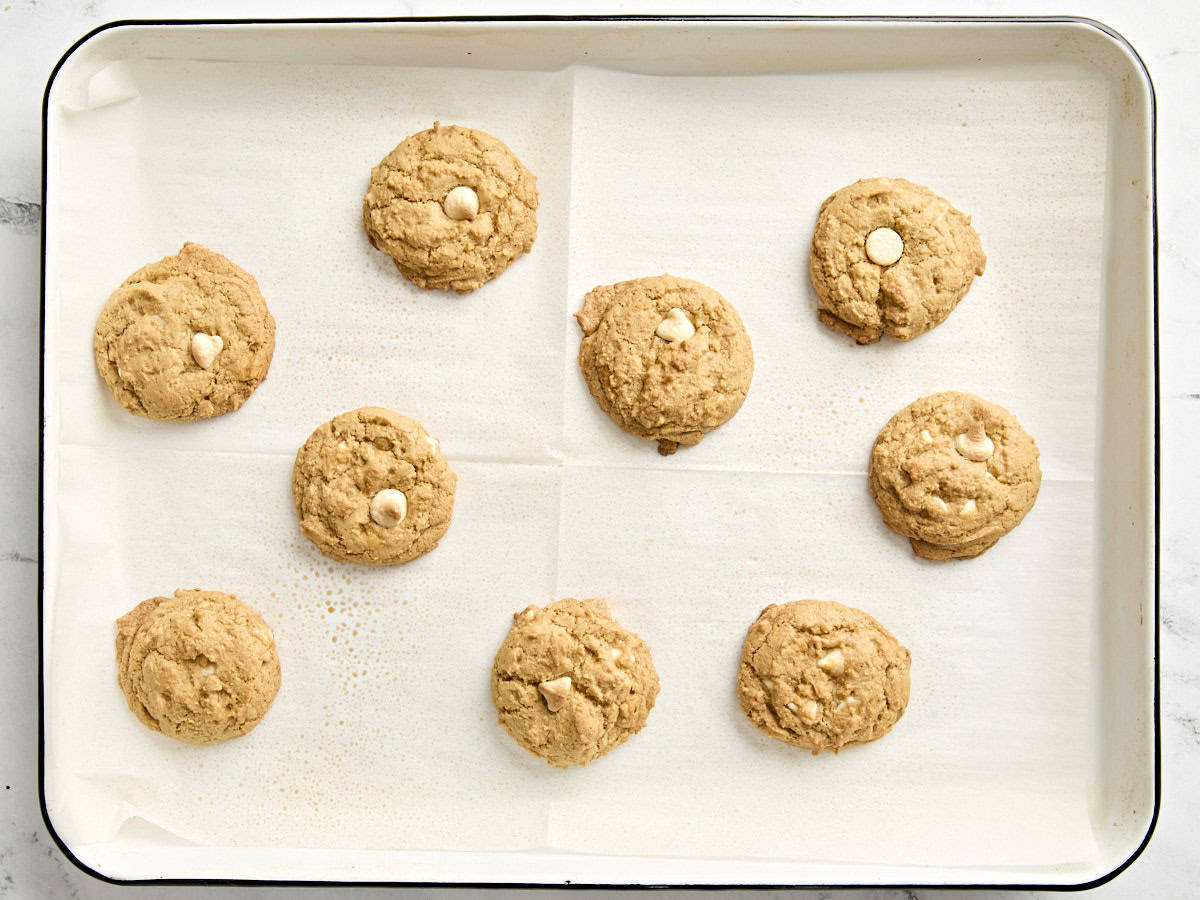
[383, 736]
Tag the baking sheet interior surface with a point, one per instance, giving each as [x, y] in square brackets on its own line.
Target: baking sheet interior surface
[383, 735]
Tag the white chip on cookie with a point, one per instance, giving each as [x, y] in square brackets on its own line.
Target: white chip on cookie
[389, 507]
[676, 326]
[812, 711]
[556, 692]
[834, 663]
[205, 348]
[974, 444]
[461, 203]
[884, 246]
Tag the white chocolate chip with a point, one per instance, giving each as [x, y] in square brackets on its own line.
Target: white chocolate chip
[676, 326]
[768, 683]
[207, 670]
[989, 475]
[389, 507]
[812, 711]
[939, 504]
[556, 692]
[431, 441]
[926, 437]
[792, 706]
[968, 508]
[461, 203]
[616, 654]
[833, 663]
[851, 703]
[884, 246]
[974, 443]
[205, 348]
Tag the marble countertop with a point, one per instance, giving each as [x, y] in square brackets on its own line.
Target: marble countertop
[34, 34]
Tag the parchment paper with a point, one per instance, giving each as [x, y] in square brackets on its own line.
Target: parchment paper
[383, 735]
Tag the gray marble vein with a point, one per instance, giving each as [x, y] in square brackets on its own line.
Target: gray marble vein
[1172, 625]
[22, 216]
[1190, 724]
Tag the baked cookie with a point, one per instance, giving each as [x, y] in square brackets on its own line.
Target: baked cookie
[371, 486]
[954, 473]
[200, 667]
[891, 256]
[821, 675]
[570, 683]
[452, 206]
[187, 337]
[667, 358]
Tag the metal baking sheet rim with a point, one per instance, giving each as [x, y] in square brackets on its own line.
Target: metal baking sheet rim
[1140, 70]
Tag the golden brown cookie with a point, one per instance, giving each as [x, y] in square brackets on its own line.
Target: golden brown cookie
[667, 359]
[821, 675]
[200, 667]
[371, 486]
[954, 473]
[452, 206]
[891, 256]
[186, 337]
[570, 683]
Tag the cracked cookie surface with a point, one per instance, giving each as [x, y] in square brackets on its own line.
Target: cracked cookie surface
[350, 460]
[941, 256]
[143, 339]
[404, 217]
[199, 667]
[570, 684]
[821, 675]
[667, 389]
[954, 473]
